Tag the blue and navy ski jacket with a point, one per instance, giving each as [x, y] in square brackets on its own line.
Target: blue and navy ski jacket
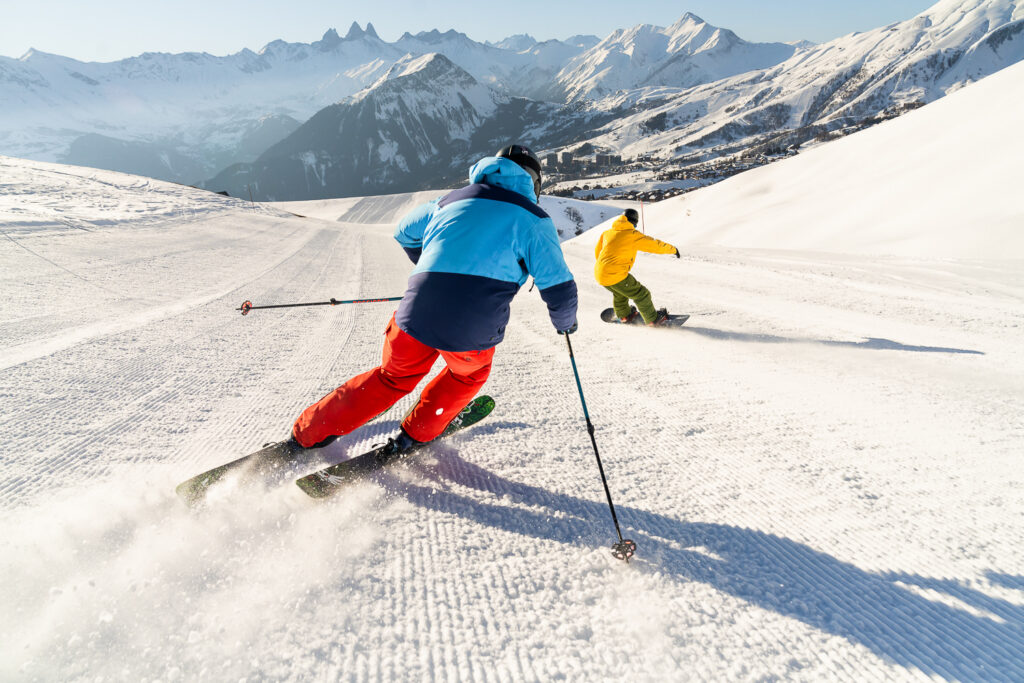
[473, 250]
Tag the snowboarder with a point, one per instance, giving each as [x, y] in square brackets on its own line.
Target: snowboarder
[615, 253]
[472, 249]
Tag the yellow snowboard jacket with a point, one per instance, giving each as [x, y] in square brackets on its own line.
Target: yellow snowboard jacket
[616, 251]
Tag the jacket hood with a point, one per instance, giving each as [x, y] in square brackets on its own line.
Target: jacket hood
[504, 173]
[621, 223]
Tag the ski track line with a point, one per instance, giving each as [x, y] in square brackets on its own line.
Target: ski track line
[308, 333]
[17, 355]
[102, 257]
[349, 345]
[211, 447]
[141, 364]
[141, 369]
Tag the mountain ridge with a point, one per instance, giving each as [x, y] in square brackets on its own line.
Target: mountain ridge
[681, 93]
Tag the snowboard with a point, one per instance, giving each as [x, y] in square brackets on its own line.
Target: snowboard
[673, 320]
[271, 462]
[329, 480]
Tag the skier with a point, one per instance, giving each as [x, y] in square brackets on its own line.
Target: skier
[472, 249]
[615, 253]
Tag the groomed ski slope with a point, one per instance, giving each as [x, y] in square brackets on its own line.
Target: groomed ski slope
[822, 469]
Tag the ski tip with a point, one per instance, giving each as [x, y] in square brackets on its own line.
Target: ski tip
[312, 487]
[186, 490]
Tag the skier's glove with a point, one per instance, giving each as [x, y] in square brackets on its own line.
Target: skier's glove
[677, 254]
[575, 326]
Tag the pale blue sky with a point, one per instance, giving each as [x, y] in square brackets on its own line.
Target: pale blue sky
[108, 30]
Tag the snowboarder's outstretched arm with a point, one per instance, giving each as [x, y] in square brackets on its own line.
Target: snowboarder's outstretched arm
[654, 246]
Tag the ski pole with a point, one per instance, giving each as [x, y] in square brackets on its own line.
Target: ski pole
[247, 305]
[625, 548]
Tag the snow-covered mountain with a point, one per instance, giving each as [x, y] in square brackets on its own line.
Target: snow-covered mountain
[821, 469]
[421, 125]
[688, 53]
[196, 104]
[396, 134]
[824, 87]
[685, 92]
[516, 43]
[848, 82]
[205, 107]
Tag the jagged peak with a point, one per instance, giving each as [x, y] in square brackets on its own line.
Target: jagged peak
[517, 42]
[690, 17]
[583, 40]
[689, 23]
[33, 53]
[371, 31]
[410, 64]
[802, 44]
[354, 31]
[435, 36]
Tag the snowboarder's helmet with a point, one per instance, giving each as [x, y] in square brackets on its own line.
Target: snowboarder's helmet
[632, 216]
[527, 160]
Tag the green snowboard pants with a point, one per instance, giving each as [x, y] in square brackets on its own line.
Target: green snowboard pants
[628, 289]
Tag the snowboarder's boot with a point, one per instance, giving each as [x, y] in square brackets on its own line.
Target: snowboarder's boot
[633, 313]
[660, 318]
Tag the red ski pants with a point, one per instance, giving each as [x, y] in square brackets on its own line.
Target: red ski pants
[406, 362]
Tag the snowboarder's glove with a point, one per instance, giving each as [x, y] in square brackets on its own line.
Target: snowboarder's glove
[575, 326]
[677, 254]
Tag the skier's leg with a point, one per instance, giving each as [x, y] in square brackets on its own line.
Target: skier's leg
[405, 362]
[448, 393]
[640, 295]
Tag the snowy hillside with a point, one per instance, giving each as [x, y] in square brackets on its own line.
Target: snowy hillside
[923, 185]
[821, 469]
[688, 53]
[401, 133]
[822, 88]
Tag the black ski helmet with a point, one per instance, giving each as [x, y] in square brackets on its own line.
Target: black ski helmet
[632, 216]
[527, 160]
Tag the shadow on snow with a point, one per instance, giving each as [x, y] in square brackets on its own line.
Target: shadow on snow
[869, 343]
[770, 571]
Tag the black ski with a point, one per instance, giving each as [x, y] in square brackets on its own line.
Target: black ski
[327, 481]
[673, 320]
[272, 462]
